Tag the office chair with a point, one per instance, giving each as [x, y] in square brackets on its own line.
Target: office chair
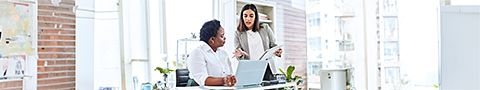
[183, 80]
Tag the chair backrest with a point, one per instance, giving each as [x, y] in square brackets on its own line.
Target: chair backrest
[183, 80]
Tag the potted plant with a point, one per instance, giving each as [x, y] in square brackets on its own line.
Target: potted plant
[165, 72]
[288, 75]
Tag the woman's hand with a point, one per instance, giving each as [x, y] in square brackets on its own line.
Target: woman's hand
[239, 53]
[279, 52]
[230, 80]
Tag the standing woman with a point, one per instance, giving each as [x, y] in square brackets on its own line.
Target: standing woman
[251, 40]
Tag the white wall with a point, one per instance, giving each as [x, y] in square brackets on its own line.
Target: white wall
[97, 45]
[418, 41]
[84, 45]
[460, 48]
[106, 45]
[101, 45]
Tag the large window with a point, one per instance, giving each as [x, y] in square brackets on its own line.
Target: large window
[331, 37]
[183, 22]
[383, 43]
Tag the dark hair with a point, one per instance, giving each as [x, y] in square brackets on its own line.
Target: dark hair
[209, 30]
[241, 25]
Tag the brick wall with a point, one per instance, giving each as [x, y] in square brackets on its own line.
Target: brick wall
[56, 45]
[56, 48]
[11, 85]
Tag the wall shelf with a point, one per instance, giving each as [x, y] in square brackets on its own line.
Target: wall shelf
[264, 7]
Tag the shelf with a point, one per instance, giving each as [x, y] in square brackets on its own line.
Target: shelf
[265, 8]
[345, 16]
[267, 21]
[188, 39]
[390, 16]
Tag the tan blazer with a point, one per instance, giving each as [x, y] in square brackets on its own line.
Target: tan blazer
[241, 40]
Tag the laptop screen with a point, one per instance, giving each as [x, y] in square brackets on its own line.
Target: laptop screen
[250, 72]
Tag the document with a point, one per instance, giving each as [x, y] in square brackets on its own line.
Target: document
[269, 53]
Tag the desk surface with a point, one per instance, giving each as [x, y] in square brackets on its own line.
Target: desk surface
[224, 87]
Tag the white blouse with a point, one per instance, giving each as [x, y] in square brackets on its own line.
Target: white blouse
[255, 45]
[204, 62]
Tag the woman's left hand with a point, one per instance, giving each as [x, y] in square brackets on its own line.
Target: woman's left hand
[279, 52]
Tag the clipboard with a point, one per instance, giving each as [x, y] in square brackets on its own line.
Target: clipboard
[270, 52]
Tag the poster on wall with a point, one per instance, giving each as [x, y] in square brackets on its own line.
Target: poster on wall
[17, 37]
[12, 67]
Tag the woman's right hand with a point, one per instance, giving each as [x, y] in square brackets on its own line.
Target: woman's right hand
[239, 53]
[230, 80]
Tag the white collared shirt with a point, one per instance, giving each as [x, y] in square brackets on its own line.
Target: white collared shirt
[204, 62]
[255, 45]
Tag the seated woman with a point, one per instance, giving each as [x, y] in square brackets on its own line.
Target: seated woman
[209, 65]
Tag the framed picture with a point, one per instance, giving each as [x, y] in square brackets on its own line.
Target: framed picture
[390, 29]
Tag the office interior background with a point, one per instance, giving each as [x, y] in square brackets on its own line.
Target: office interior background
[383, 44]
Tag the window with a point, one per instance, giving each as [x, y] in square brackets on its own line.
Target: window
[390, 7]
[314, 19]
[390, 72]
[331, 37]
[314, 44]
[381, 54]
[183, 20]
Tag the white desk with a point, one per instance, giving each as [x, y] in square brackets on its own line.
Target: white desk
[252, 88]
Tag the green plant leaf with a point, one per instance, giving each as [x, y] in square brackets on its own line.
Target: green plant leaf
[297, 78]
[163, 71]
[290, 70]
[281, 71]
[288, 79]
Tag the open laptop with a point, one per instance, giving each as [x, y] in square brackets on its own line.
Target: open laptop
[250, 73]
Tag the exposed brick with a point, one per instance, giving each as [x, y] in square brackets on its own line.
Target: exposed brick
[55, 37]
[55, 14]
[60, 62]
[71, 73]
[45, 75]
[56, 55]
[56, 68]
[55, 25]
[40, 62]
[56, 45]
[57, 86]
[55, 31]
[55, 19]
[71, 62]
[11, 85]
[56, 49]
[49, 62]
[56, 8]
[55, 62]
